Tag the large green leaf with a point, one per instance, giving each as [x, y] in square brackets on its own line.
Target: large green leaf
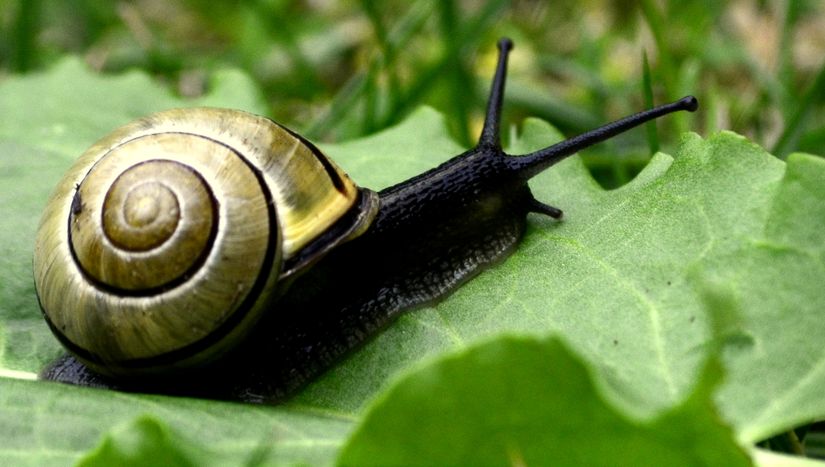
[627, 280]
[554, 411]
[776, 281]
[52, 424]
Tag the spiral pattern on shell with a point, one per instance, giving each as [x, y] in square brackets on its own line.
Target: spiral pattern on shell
[174, 235]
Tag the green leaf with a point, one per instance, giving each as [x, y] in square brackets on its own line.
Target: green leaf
[777, 362]
[147, 441]
[65, 109]
[524, 401]
[628, 279]
[44, 423]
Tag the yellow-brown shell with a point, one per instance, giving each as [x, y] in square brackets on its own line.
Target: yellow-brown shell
[167, 238]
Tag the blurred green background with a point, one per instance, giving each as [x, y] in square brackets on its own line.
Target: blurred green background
[335, 70]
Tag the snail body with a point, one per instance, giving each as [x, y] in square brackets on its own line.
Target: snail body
[318, 266]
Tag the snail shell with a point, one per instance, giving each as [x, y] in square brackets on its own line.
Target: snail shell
[182, 227]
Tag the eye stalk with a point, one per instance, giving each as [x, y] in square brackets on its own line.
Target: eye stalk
[529, 165]
[490, 133]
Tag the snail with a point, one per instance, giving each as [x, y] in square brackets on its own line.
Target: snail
[214, 252]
